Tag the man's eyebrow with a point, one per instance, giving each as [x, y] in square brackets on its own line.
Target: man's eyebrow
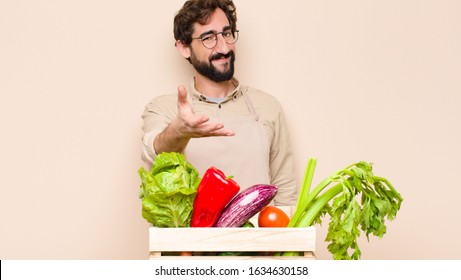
[207, 33]
[225, 28]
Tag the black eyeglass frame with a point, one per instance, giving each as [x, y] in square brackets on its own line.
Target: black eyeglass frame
[233, 33]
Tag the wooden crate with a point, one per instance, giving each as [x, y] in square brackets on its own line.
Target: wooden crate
[200, 240]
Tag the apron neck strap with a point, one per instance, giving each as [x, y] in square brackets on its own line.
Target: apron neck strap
[249, 103]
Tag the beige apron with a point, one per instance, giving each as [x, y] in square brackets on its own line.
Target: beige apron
[245, 156]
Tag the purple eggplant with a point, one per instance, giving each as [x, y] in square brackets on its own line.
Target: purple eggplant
[246, 204]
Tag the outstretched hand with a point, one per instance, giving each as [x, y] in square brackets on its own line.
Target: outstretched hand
[189, 125]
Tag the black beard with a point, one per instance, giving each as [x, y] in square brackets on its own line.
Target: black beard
[208, 70]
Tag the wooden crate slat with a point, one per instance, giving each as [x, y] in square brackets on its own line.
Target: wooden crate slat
[231, 239]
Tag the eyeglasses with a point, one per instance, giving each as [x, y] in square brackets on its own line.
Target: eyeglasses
[210, 40]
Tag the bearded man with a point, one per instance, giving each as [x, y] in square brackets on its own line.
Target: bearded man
[216, 121]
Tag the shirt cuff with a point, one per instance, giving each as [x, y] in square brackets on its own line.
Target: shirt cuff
[148, 152]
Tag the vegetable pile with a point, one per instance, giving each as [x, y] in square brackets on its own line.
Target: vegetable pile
[354, 198]
[174, 195]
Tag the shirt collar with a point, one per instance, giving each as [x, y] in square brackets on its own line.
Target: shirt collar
[196, 95]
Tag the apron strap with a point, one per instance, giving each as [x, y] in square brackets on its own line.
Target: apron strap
[249, 103]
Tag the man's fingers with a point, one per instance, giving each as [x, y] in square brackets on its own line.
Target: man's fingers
[197, 121]
[201, 127]
[182, 95]
[220, 133]
[219, 130]
[197, 126]
[185, 111]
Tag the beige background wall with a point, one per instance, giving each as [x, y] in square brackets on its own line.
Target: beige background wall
[360, 80]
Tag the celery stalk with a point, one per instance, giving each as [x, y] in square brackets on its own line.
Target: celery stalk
[317, 206]
[336, 196]
[308, 176]
[303, 199]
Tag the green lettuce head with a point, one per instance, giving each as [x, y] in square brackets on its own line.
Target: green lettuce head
[168, 191]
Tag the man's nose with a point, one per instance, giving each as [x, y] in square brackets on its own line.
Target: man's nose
[221, 45]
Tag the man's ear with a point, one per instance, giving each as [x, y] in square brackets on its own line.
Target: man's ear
[183, 49]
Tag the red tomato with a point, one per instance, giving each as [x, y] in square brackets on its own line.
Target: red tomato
[272, 216]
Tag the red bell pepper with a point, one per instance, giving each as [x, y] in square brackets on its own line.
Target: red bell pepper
[214, 192]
